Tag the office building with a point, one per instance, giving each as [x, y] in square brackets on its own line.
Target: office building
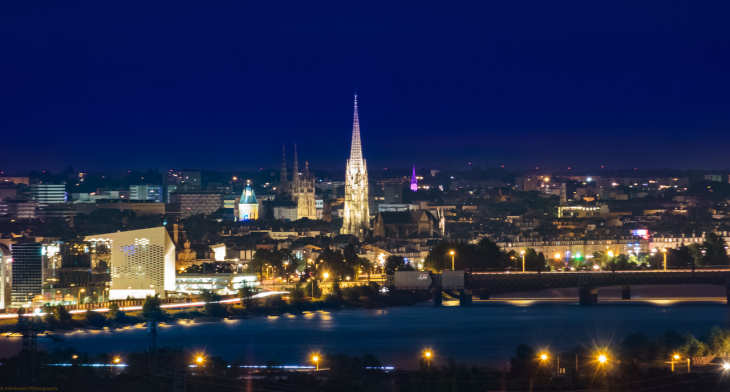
[224, 284]
[142, 262]
[146, 192]
[197, 203]
[6, 274]
[48, 193]
[18, 208]
[27, 273]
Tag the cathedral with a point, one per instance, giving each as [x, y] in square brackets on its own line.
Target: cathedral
[300, 189]
[356, 214]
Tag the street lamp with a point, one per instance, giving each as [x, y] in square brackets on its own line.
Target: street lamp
[665, 258]
[452, 259]
[522, 253]
[199, 360]
[428, 355]
[602, 359]
[675, 357]
[315, 359]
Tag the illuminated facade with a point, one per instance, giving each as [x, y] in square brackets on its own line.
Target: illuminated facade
[414, 180]
[248, 207]
[142, 262]
[6, 274]
[356, 213]
[27, 272]
[224, 284]
[300, 189]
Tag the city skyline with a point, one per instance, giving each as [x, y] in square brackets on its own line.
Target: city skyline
[106, 88]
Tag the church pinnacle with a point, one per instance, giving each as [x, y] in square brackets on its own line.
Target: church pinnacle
[356, 220]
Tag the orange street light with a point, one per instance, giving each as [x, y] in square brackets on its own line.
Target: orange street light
[315, 359]
[428, 355]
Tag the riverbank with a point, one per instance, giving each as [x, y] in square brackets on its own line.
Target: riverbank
[61, 321]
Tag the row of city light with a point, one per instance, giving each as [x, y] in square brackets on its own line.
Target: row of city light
[601, 358]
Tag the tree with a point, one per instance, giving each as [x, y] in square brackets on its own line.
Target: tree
[351, 256]
[246, 293]
[533, 261]
[313, 289]
[152, 307]
[296, 294]
[333, 262]
[715, 250]
[212, 305]
[396, 263]
[696, 251]
[680, 257]
[364, 264]
[114, 313]
[62, 314]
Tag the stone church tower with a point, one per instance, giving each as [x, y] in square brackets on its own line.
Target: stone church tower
[357, 215]
[300, 189]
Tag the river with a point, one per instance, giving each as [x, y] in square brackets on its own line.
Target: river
[485, 333]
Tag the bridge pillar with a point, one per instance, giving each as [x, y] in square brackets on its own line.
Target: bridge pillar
[484, 294]
[626, 291]
[465, 297]
[587, 296]
[437, 296]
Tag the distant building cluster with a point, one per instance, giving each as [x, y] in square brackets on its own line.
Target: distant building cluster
[117, 235]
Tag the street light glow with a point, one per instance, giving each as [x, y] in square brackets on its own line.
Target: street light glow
[199, 359]
[428, 354]
[726, 366]
[543, 356]
[602, 359]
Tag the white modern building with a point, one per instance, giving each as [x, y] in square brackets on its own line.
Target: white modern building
[48, 193]
[142, 262]
[224, 284]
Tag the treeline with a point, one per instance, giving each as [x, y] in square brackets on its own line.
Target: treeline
[487, 255]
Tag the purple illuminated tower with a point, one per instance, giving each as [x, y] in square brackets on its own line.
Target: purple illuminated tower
[414, 181]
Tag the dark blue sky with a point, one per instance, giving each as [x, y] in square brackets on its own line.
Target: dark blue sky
[220, 85]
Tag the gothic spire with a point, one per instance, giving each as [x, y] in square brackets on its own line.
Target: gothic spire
[356, 148]
[295, 170]
[282, 178]
[306, 170]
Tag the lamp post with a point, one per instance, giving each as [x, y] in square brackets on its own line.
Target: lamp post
[522, 253]
[452, 259]
[428, 354]
[675, 357]
[315, 359]
[665, 258]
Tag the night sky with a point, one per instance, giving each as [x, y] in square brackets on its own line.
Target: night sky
[221, 84]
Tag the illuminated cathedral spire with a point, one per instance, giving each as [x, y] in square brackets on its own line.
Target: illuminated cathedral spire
[356, 219]
[414, 180]
[356, 147]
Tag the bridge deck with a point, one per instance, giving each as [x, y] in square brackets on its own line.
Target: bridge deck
[595, 279]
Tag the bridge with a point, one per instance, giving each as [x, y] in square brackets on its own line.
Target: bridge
[483, 284]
